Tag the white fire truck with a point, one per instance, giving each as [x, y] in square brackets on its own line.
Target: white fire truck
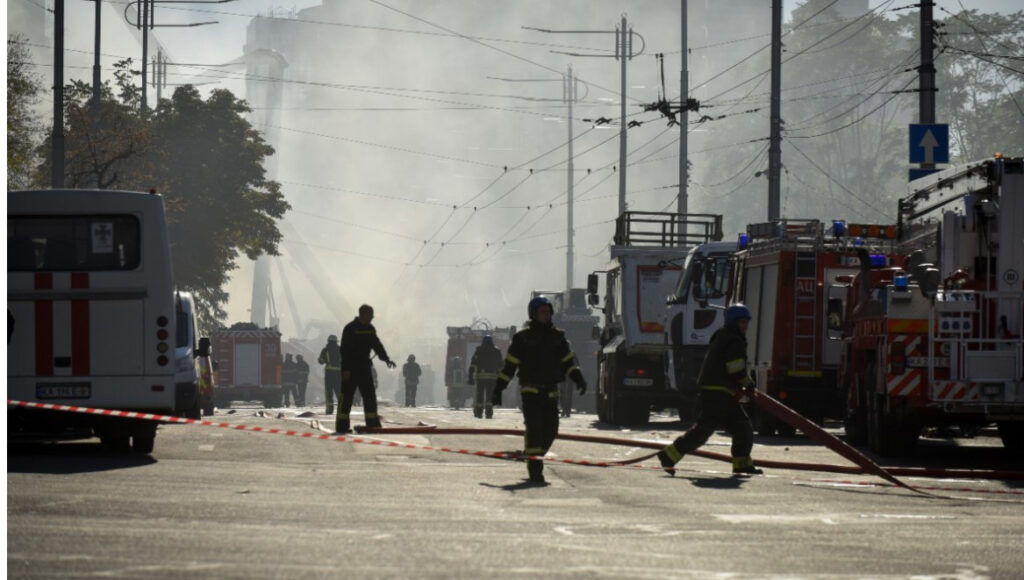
[940, 342]
[644, 270]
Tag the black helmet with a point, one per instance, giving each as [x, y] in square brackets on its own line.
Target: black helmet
[488, 340]
[332, 338]
[412, 358]
[531, 308]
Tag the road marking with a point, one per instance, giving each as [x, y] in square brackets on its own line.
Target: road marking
[830, 519]
[206, 447]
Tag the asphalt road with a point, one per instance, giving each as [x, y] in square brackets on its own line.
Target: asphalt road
[226, 503]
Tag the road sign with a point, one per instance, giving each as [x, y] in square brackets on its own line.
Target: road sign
[919, 173]
[929, 143]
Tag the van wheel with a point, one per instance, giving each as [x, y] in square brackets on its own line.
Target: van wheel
[143, 443]
[1012, 434]
[116, 442]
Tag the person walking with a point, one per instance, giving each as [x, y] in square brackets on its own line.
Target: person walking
[288, 382]
[330, 357]
[543, 358]
[358, 340]
[301, 378]
[723, 379]
[483, 371]
[411, 372]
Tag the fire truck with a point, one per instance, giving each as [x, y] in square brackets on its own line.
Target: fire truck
[634, 351]
[582, 329]
[787, 272]
[462, 342]
[695, 310]
[939, 342]
[248, 362]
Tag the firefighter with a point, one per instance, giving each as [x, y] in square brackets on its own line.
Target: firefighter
[288, 381]
[358, 339]
[543, 358]
[301, 378]
[723, 380]
[483, 370]
[330, 356]
[411, 372]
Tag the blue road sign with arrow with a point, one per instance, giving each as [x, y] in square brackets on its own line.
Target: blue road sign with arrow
[929, 143]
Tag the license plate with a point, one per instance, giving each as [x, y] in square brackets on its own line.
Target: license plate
[638, 382]
[63, 390]
[922, 361]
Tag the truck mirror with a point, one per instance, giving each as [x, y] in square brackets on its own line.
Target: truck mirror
[593, 299]
[592, 284]
[204, 346]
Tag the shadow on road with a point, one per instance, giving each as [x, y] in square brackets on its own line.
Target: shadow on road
[514, 487]
[716, 482]
[69, 457]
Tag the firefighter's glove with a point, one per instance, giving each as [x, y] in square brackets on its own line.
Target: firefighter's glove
[581, 386]
[499, 386]
[391, 364]
[470, 380]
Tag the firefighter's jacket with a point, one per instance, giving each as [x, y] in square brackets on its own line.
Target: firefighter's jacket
[411, 371]
[288, 373]
[542, 356]
[331, 356]
[486, 363]
[301, 372]
[357, 341]
[725, 366]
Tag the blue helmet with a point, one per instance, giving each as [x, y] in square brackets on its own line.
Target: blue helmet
[488, 340]
[531, 308]
[736, 312]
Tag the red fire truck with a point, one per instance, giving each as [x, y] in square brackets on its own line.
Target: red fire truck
[248, 365]
[940, 342]
[787, 272]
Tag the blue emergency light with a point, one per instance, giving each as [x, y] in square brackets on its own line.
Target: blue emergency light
[858, 241]
[900, 283]
[743, 241]
[838, 228]
[877, 261]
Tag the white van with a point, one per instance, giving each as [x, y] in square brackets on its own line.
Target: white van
[186, 366]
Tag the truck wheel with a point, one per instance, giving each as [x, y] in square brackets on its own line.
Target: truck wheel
[602, 409]
[143, 443]
[1012, 434]
[764, 423]
[855, 422]
[118, 442]
[890, 434]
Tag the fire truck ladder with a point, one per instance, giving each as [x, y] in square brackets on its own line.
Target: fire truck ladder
[805, 308]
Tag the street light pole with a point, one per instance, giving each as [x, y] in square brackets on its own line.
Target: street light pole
[570, 97]
[57, 136]
[682, 204]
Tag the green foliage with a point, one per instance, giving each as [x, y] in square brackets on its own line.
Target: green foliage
[24, 127]
[201, 154]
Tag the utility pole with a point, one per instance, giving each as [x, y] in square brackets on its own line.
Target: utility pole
[146, 25]
[682, 203]
[926, 72]
[96, 63]
[623, 52]
[159, 74]
[57, 139]
[569, 96]
[775, 138]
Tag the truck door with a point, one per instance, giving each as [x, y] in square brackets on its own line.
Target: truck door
[247, 365]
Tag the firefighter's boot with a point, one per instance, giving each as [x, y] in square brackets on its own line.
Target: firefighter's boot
[668, 457]
[535, 467]
[745, 466]
[373, 420]
[478, 411]
[342, 426]
[489, 411]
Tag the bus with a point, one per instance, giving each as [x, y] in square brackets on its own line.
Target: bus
[90, 314]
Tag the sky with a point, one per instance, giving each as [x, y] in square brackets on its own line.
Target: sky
[426, 169]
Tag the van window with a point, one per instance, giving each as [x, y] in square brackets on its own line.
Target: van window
[62, 243]
[183, 337]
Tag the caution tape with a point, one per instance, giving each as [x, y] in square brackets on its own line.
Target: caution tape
[504, 455]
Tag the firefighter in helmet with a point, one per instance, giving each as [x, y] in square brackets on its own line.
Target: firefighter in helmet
[411, 371]
[330, 356]
[542, 356]
[723, 380]
[483, 370]
[358, 340]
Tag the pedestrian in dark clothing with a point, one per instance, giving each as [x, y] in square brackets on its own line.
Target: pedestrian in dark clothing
[358, 340]
[483, 371]
[301, 378]
[543, 358]
[330, 357]
[411, 372]
[289, 381]
[723, 379]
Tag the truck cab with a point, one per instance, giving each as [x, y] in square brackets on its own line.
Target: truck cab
[695, 310]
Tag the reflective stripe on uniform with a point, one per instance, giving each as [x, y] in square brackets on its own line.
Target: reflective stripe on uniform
[533, 390]
[364, 332]
[673, 453]
[568, 357]
[741, 462]
[552, 394]
[735, 366]
[716, 388]
[372, 415]
[535, 451]
[486, 375]
[574, 367]
[512, 359]
[504, 377]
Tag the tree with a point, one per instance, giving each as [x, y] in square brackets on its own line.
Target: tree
[24, 127]
[203, 156]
